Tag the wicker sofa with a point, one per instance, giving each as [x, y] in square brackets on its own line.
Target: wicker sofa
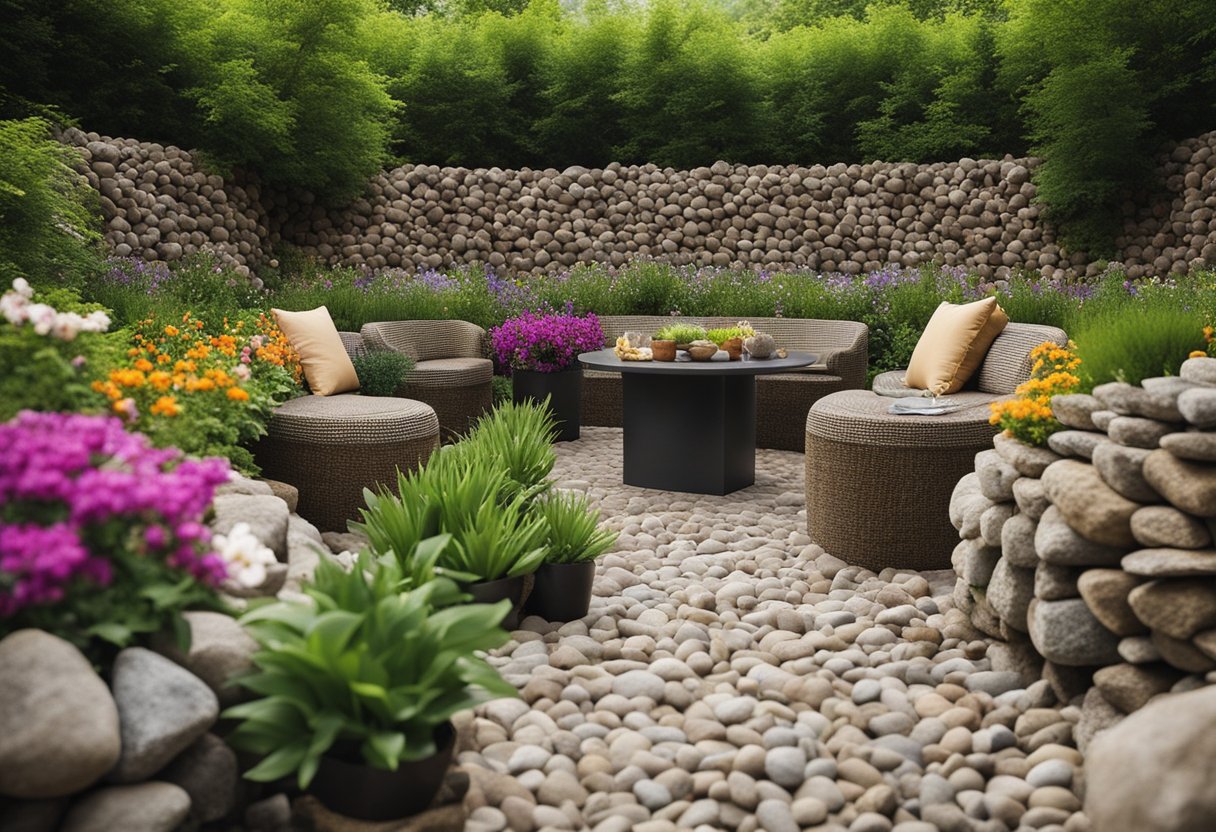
[451, 372]
[332, 447]
[782, 399]
[878, 485]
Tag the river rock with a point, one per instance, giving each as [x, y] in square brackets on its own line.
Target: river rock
[266, 515]
[1076, 443]
[1190, 486]
[1184, 655]
[1198, 406]
[1122, 468]
[143, 807]
[209, 773]
[1155, 526]
[1201, 370]
[1028, 460]
[1067, 633]
[1010, 592]
[993, 520]
[1075, 410]
[1161, 738]
[996, 476]
[1018, 541]
[58, 723]
[1088, 504]
[1106, 594]
[1198, 446]
[220, 649]
[162, 709]
[1053, 582]
[1138, 432]
[1167, 563]
[1056, 542]
[1177, 607]
[1129, 687]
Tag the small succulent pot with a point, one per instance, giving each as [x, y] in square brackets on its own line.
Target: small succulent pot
[347, 785]
[491, 592]
[663, 350]
[562, 591]
[733, 347]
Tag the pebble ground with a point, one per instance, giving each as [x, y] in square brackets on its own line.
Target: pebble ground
[731, 675]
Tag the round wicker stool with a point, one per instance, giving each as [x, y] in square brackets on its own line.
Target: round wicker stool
[878, 485]
[332, 447]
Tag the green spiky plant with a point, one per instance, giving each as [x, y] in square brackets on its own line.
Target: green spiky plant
[572, 530]
[519, 436]
[364, 668]
[680, 333]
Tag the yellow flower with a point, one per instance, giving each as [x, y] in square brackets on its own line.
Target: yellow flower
[165, 406]
[1197, 354]
[236, 394]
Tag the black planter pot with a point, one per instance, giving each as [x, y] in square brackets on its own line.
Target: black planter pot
[350, 787]
[562, 591]
[565, 392]
[491, 592]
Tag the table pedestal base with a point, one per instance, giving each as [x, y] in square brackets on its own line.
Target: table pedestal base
[690, 433]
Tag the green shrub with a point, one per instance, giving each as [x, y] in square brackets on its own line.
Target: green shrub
[364, 670]
[382, 372]
[48, 214]
[680, 333]
[572, 528]
[1136, 342]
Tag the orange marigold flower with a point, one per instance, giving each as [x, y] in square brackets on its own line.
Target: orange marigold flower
[165, 406]
[164, 358]
[160, 380]
[1208, 334]
[143, 365]
[1197, 354]
[171, 330]
[236, 394]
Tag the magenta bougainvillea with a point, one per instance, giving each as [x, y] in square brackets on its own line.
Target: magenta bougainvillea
[545, 343]
[101, 535]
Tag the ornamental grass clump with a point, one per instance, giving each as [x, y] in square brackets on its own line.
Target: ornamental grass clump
[1029, 417]
[572, 530]
[545, 343]
[102, 540]
[680, 333]
[519, 436]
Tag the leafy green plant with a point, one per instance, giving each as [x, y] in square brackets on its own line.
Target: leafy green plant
[573, 534]
[680, 333]
[1137, 342]
[725, 333]
[382, 372]
[518, 436]
[364, 671]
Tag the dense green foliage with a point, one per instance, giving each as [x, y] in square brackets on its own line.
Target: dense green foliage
[382, 372]
[1132, 343]
[48, 214]
[319, 94]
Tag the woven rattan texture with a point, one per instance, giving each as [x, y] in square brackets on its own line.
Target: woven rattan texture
[427, 340]
[353, 343]
[331, 476]
[452, 372]
[457, 407]
[861, 417]
[347, 419]
[877, 506]
[1008, 362]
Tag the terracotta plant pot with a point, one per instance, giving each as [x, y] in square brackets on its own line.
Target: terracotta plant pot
[663, 350]
[562, 591]
[350, 787]
[491, 592]
[733, 347]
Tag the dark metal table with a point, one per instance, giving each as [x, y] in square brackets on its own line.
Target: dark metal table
[691, 426]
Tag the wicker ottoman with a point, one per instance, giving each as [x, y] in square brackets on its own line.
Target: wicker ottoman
[878, 485]
[332, 447]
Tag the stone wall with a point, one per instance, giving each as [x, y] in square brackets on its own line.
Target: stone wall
[1094, 559]
[976, 214]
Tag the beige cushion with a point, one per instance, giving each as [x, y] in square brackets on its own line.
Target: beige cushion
[312, 334]
[954, 344]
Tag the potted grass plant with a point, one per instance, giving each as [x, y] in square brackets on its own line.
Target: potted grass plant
[541, 353]
[357, 688]
[680, 334]
[574, 539]
[730, 338]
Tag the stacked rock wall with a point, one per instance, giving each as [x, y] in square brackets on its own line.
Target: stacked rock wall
[1095, 557]
[980, 215]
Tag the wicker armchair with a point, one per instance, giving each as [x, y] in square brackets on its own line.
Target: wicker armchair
[878, 485]
[451, 372]
[782, 399]
[332, 447]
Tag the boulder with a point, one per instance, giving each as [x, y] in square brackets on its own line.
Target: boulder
[208, 772]
[1076, 443]
[1155, 526]
[1017, 541]
[1170, 563]
[1088, 504]
[1197, 446]
[1056, 542]
[143, 807]
[266, 515]
[1160, 738]
[996, 476]
[1184, 655]
[1190, 486]
[1053, 582]
[58, 723]
[1106, 592]
[1122, 468]
[1075, 410]
[1178, 607]
[1200, 371]
[1129, 687]
[1068, 634]
[1030, 497]
[1010, 592]
[978, 562]
[1028, 460]
[1096, 716]
[993, 520]
[1198, 406]
[219, 649]
[163, 708]
[1138, 432]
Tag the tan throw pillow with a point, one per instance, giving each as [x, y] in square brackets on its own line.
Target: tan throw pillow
[313, 335]
[954, 344]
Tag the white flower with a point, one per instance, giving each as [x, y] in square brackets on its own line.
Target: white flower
[22, 287]
[15, 308]
[245, 555]
[67, 326]
[42, 317]
[97, 321]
